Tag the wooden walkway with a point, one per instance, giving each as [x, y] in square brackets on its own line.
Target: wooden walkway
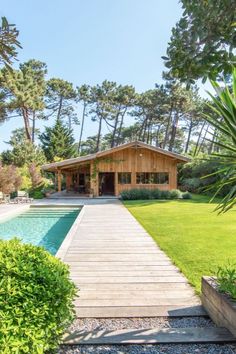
[121, 272]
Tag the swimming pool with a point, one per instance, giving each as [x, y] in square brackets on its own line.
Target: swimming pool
[45, 226]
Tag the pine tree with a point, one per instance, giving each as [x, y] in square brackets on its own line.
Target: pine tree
[58, 142]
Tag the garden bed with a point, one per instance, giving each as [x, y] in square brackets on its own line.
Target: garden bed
[220, 307]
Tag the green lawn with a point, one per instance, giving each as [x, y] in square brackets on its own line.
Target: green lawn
[195, 238]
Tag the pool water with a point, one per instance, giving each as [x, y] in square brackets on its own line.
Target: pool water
[45, 227]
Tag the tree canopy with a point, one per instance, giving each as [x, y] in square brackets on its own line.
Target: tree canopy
[203, 42]
[58, 142]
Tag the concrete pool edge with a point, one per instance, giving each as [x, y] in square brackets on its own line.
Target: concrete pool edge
[70, 235]
[61, 252]
[12, 213]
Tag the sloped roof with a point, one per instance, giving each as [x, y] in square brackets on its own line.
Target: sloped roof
[138, 144]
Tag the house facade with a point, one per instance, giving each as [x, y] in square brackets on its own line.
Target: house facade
[109, 172]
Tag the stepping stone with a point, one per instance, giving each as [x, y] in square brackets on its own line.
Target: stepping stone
[151, 336]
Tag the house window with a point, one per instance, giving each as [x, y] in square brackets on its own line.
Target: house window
[124, 177]
[152, 178]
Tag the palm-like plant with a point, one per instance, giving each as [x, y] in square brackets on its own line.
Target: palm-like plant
[224, 120]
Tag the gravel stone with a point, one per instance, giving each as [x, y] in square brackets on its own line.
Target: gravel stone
[90, 324]
[150, 349]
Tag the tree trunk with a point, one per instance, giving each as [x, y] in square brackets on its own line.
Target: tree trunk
[59, 108]
[99, 134]
[82, 127]
[189, 135]
[167, 128]
[115, 129]
[33, 127]
[203, 138]
[157, 135]
[25, 114]
[212, 142]
[173, 131]
[198, 140]
[120, 127]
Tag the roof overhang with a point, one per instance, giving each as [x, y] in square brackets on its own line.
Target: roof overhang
[69, 163]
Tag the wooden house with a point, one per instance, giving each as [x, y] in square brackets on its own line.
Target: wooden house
[109, 172]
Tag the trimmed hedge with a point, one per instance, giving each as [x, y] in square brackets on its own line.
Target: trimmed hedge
[145, 194]
[36, 299]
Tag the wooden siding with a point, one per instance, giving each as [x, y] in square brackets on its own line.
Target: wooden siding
[137, 160]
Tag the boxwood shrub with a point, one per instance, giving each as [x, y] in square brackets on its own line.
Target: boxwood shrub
[144, 194]
[36, 299]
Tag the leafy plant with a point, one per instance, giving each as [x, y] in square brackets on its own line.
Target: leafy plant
[226, 280]
[146, 194]
[175, 194]
[36, 297]
[224, 105]
[186, 195]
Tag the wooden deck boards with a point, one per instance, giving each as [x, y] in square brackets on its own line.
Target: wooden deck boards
[121, 272]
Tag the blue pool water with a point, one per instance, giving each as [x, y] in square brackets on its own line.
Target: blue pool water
[45, 227]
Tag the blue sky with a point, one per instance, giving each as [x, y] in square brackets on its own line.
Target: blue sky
[88, 41]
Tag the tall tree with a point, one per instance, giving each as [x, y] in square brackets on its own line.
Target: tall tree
[22, 151]
[58, 142]
[25, 90]
[203, 42]
[83, 96]
[59, 100]
[8, 43]
[101, 108]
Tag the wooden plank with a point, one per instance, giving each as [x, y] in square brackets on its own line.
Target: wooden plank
[150, 335]
[126, 294]
[139, 311]
[112, 251]
[151, 302]
[141, 287]
[126, 273]
[114, 257]
[125, 280]
[90, 267]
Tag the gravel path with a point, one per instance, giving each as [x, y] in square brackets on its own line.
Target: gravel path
[89, 324]
[150, 349]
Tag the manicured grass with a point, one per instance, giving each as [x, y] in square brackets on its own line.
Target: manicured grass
[194, 237]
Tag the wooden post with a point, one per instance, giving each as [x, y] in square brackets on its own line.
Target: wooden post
[93, 180]
[116, 184]
[59, 180]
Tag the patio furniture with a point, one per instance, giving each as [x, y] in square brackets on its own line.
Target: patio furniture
[22, 197]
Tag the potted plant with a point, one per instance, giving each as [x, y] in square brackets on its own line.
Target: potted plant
[219, 297]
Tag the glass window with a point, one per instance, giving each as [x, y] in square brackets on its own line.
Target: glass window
[152, 178]
[124, 177]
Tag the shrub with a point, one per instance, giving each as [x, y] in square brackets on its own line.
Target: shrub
[156, 193]
[165, 195]
[36, 298]
[135, 194]
[36, 194]
[191, 184]
[226, 280]
[186, 195]
[175, 194]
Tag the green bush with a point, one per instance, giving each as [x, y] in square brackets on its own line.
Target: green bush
[175, 194]
[226, 280]
[36, 194]
[186, 195]
[145, 194]
[36, 297]
[165, 195]
[156, 194]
